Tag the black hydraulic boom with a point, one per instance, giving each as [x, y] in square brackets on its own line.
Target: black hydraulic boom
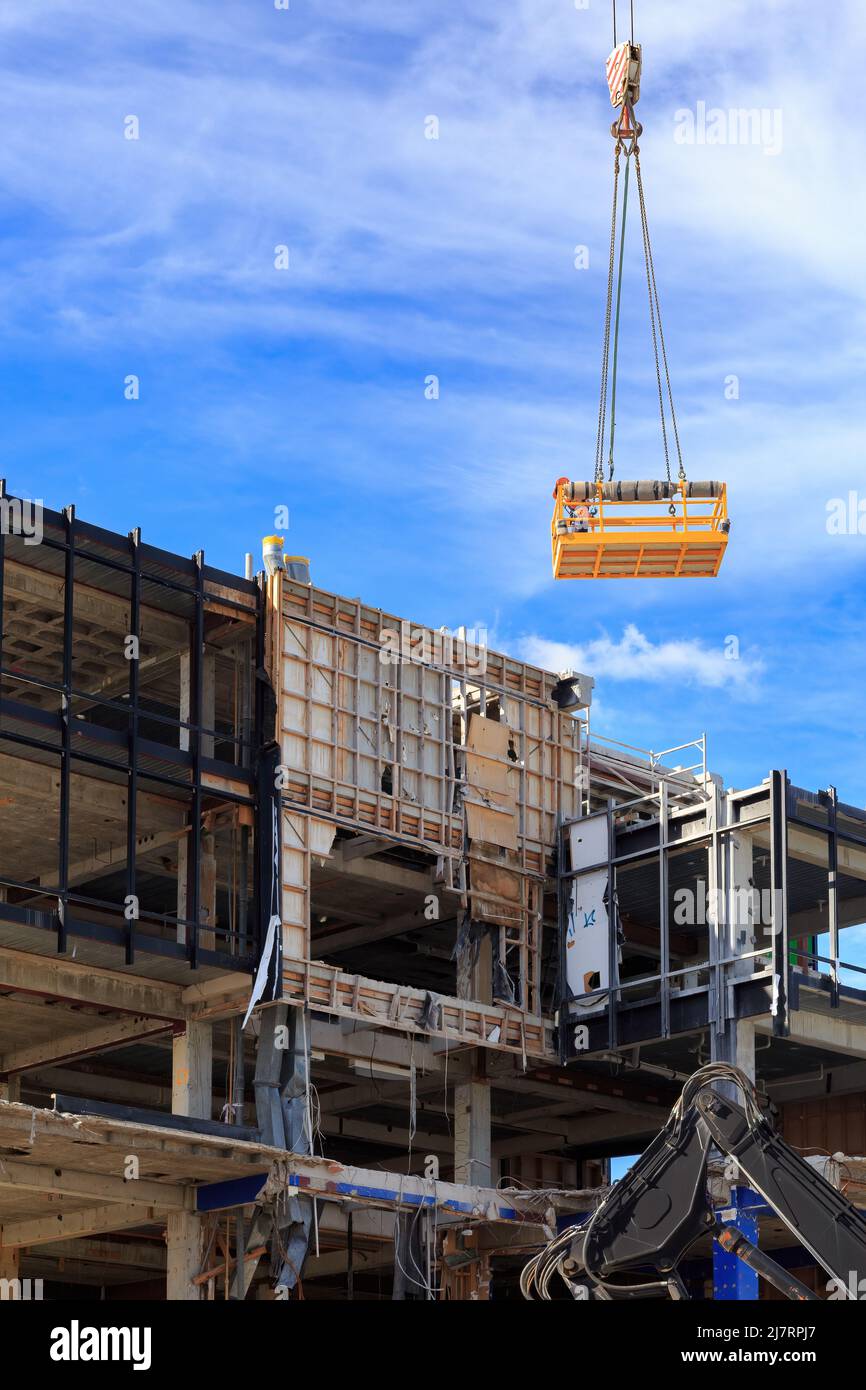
[633, 1244]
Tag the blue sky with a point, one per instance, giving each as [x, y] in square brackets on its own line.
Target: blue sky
[411, 257]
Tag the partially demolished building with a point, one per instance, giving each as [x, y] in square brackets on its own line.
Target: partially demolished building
[338, 955]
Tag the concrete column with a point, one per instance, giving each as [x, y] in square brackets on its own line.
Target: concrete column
[192, 1083]
[740, 933]
[208, 719]
[184, 1234]
[745, 1047]
[182, 886]
[482, 982]
[10, 1089]
[207, 935]
[745, 930]
[208, 703]
[236, 1079]
[473, 1147]
[192, 1071]
[473, 1156]
[185, 705]
[10, 1262]
[208, 700]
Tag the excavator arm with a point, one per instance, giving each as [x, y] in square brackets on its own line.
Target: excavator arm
[633, 1244]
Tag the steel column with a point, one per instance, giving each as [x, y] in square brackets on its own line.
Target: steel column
[66, 729]
[664, 925]
[833, 893]
[193, 899]
[132, 731]
[732, 1279]
[779, 887]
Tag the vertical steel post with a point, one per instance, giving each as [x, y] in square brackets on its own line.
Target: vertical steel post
[563, 1003]
[716, 919]
[2, 569]
[66, 729]
[132, 744]
[732, 1279]
[664, 925]
[612, 932]
[833, 893]
[195, 735]
[779, 886]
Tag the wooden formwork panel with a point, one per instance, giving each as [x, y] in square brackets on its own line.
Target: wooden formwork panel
[303, 838]
[382, 744]
[331, 990]
[363, 741]
[351, 617]
[551, 767]
[461, 751]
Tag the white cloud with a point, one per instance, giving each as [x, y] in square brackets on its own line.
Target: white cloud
[313, 121]
[454, 256]
[635, 657]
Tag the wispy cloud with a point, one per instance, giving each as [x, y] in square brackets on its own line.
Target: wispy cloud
[453, 257]
[634, 657]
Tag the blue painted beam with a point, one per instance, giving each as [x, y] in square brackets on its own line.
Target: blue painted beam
[321, 1181]
[235, 1192]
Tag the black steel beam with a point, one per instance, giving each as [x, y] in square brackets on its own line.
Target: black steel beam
[137, 1115]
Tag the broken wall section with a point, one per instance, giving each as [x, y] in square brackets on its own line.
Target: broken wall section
[456, 759]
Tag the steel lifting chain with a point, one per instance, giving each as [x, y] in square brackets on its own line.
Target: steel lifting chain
[658, 336]
[626, 132]
[605, 356]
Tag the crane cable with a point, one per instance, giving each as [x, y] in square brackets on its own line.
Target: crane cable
[631, 8]
[656, 324]
[626, 132]
[605, 355]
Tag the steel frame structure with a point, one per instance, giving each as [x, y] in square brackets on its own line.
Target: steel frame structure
[75, 743]
[737, 983]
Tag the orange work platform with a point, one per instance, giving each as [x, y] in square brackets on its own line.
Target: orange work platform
[639, 530]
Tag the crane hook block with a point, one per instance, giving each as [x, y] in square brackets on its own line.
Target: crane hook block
[623, 74]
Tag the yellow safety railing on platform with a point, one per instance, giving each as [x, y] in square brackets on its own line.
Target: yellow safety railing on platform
[670, 535]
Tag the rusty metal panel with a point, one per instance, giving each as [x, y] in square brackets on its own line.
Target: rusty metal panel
[496, 894]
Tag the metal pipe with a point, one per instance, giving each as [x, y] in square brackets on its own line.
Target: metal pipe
[732, 1240]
